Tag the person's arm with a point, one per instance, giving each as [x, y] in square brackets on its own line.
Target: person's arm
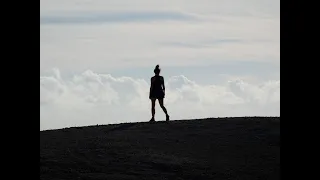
[151, 86]
[151, 83]
[163, 86]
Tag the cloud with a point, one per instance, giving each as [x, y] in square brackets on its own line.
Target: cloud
[205, 7]
[90, 98]
[172, 32]
[96, 17]
[141, 44]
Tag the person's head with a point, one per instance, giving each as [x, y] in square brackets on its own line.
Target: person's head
[157, 70]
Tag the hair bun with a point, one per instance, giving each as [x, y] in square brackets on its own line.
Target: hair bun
[157, 66]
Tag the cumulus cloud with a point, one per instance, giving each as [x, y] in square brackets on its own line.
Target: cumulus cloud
[90, 98]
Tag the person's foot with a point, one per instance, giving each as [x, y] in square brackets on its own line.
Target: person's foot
[152, 120]
[167, 117]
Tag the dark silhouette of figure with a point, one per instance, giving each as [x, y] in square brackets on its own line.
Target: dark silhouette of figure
[157, 91]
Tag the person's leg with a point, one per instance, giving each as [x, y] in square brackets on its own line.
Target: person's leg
[153, 111]
[163, 108]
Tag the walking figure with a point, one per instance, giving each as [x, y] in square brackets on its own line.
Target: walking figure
[157, 91]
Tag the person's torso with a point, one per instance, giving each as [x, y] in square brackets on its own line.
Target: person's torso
[157, 82]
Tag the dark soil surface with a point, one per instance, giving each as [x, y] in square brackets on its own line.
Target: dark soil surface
[240, 148]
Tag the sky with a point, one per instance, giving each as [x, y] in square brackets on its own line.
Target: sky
[218, 59]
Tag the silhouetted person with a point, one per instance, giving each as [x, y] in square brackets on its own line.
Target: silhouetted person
[157, 91]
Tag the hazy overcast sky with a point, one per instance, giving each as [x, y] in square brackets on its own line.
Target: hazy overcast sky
[218, 58]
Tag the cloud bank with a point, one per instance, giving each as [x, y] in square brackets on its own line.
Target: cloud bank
[90, 98]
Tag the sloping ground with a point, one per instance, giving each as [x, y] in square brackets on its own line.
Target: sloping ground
[245, 148]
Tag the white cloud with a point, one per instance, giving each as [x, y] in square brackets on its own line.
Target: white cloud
[90, 98]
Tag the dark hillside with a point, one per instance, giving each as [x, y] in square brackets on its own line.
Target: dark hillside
[242, 148]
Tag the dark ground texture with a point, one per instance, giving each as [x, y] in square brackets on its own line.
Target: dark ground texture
[240, 148]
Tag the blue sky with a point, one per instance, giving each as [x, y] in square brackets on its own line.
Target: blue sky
[220, 58]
